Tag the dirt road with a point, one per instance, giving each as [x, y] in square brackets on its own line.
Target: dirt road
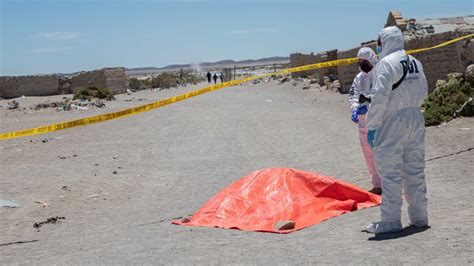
[118, 184]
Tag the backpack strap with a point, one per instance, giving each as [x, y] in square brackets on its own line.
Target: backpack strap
[405, 71]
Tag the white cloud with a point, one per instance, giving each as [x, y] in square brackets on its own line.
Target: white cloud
[51, 50]
[257, 30]
[59, 36]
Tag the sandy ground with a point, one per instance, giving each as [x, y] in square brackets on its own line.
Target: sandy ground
[170, 161]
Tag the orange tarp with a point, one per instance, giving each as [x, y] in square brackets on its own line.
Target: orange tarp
[264, 199]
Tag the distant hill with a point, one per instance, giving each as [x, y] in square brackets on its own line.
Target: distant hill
[209, 65]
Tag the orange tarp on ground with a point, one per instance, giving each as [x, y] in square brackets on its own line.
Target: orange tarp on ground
[263, 199]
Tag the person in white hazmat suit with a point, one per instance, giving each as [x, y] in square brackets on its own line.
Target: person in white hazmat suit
[358, 94]
[397, 133]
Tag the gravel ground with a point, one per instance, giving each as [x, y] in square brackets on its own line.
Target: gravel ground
[119, 184]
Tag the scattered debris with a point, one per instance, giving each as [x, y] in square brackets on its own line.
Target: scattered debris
[67, 104]
[286, 79]
[93, 196]
[8, 204]
[62, 157]
[66, 188]
[129, 92]
[306, 87]
[464, 128]
[115, 157]
[43, 204]
[268, 101]
[19, 242]
[13, 105]
[52, 220]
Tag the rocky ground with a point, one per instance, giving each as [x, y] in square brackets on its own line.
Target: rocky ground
[106, 193]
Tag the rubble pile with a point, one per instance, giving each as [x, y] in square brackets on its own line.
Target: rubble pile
[67, 104]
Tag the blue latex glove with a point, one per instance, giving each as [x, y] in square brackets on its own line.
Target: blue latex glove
[361, 110]
[354, 116]
[371, 137]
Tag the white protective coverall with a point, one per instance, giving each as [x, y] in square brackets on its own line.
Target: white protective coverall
[361, 85]
[399, 151]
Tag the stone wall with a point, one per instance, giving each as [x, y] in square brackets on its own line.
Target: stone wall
[86, 79]
[12, 87]
[437, 63]
[8, 87]
[111, 78]
[347, 73]
[116, 79]
[298, 59]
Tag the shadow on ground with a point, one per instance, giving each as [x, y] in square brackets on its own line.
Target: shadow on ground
[407, 231]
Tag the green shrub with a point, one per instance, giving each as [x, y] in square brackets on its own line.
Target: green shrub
[447, 98]
[94, 92]
[139, 84]
[164, 81]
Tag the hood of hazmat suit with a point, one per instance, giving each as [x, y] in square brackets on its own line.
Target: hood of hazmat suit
[368, 54]
[392, 40]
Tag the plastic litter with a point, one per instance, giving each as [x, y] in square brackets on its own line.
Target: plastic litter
[8, 204]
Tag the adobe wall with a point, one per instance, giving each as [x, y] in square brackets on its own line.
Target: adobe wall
[347, 73]
[116, 79]
[12, 87]
[437, 63]
[86, 79]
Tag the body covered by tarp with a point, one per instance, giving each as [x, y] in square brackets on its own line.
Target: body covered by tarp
[265, 198]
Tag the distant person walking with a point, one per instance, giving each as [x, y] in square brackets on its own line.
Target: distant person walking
[208, 75]
[222, 77]
[215, 78]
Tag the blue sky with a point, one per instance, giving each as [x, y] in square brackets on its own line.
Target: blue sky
[49, 36]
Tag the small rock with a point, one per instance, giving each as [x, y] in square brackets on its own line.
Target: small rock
[13, 105]
[115, 157]
[62, 157]
[306, 87]
[114, 172]
[284, 225]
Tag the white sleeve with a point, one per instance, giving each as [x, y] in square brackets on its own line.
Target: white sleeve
[424, 82]
[354, 93]
[381, 90]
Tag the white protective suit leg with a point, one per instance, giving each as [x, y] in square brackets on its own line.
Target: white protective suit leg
[399, 157]
[368, 153]
[413, 170]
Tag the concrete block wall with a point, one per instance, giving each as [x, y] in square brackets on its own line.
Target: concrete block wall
[89, 78]
[439, 62]
[38, 85]
[12, 87]
[298, 59]
[116, 79]
[347, 73]
[8, 87]
[111, 78]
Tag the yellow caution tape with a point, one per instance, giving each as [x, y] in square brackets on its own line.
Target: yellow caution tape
[440, 45]
[161, 103]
